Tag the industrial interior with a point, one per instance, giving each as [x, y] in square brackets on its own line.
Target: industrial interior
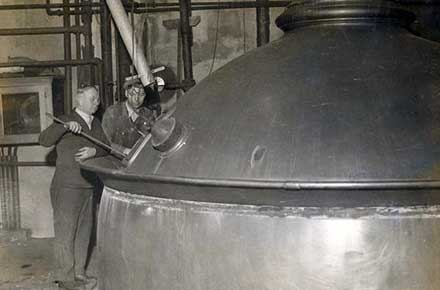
[290, 144]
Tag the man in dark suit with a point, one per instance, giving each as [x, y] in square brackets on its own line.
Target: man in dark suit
[72, 188]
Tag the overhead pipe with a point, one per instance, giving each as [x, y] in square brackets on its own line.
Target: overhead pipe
[52, 63]
[200, 6]
[41, 30]
[77, 5]
[151, 7]
[48, 5]
[134, 49]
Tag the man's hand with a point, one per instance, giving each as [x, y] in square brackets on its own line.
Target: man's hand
[73, 126]
[85, 153]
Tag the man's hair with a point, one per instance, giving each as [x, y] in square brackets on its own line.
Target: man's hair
[82, 91]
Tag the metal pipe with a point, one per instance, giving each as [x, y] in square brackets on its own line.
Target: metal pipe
[52, 63]
[15, 193]
[48, 5]
[3, 191]
[263, 23]
[41, 30]
[60, 12]
[88, 41]
[174, 7]
[77, 35]
[67, 56]
[77, 39]
[138, 6]
[106, 51]
[99, 68]
[134, 49]
[186, 33]
[9, 193]
[213, 3]
[123, 65]
[199, 6]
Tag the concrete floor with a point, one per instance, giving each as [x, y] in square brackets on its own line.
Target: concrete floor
[26, 263]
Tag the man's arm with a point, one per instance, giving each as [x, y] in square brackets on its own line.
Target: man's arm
[50, 136]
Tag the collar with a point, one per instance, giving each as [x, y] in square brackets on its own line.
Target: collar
[132, 114]
[86, 117]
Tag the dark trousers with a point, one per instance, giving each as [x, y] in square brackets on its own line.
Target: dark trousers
[73, 218]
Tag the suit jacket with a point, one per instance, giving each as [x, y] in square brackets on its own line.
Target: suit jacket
[68, 172]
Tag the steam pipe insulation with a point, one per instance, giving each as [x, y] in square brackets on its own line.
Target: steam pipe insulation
[137, 56]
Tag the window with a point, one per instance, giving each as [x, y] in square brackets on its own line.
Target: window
[24, 103]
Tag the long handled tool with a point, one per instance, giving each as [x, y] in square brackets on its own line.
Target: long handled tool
[93, 139]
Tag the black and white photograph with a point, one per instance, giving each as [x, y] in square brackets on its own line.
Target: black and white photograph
[220, 145]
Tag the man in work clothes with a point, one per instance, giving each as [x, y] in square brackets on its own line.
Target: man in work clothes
[72, 188]
[119, 120]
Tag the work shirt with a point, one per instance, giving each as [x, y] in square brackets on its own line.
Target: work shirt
[119, 126]
[86, 117]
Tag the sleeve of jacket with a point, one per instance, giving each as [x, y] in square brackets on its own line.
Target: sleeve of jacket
[107, 120]
[52, 134]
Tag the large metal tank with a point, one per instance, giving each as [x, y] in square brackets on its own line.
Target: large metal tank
[310, 163]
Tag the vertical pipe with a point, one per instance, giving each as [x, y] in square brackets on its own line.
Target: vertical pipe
[134, 49]
[99, 68]
[67, 56]
[122, 65]
[106, 49]
[3, 190]
[77, 40]
[88, 42]
[15, 180]
[186, 32]
[78, 34]
[9, 199]
[263, 23]
[118, 94]
[12, 191]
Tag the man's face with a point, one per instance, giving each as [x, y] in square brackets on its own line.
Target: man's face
[89, 101]
[135, 96]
